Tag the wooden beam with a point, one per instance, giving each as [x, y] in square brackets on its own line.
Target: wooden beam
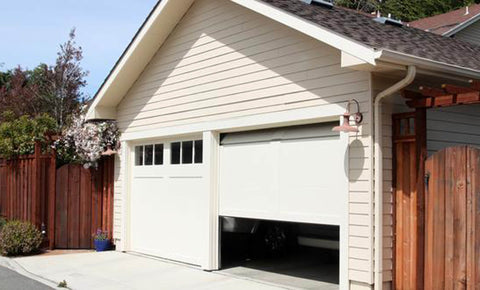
[453, 89]
[431, 92]
[446, 100]
[411, 95]
[475, 84]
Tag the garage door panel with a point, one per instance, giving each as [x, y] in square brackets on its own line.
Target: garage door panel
[168, 209]
[309, 177]
[166, 220]
[248, 190]
[301, 180]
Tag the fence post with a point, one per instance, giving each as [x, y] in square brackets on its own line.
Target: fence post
[36, 202]
[52, 199]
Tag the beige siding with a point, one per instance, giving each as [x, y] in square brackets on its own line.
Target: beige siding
[117, 198]
[470, 33]
[453, 126]
[223, 61]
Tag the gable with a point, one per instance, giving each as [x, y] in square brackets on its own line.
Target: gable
[225, 61]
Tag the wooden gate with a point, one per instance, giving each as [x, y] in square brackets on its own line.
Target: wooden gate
[84, 203]
[452, 216]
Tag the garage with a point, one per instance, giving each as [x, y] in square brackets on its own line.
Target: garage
[166, 217]
[282, 202]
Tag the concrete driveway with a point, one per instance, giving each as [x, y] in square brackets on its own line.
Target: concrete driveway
[115, 270]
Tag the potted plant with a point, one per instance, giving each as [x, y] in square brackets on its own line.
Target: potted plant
[101, 241]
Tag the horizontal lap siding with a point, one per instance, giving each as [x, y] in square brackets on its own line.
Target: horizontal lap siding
[360, 207]
[117, 198]
[453, 126]
[470, 34]
[223, 61]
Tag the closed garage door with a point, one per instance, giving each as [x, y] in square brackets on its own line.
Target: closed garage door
[288, 174]
[166, 201]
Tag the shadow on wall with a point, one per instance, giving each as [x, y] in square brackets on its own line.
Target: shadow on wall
[223, 60]
[353, 170]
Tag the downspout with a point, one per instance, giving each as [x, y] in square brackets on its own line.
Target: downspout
[410, 76]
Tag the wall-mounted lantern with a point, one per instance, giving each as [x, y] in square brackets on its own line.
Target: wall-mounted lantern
[109, 151]
[357, 117]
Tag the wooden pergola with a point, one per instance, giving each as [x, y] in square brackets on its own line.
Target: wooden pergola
[448, 95]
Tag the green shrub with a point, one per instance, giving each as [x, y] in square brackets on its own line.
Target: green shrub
[19, 238]
[18, 135]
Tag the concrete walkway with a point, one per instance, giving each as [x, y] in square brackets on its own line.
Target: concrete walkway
[114, 270]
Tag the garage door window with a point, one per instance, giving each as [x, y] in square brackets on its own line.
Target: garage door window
[187, 152]
[148, 151]
[138, 155]
[147, 155]
[158, 154]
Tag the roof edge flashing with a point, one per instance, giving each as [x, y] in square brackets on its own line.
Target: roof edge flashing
[427, 64]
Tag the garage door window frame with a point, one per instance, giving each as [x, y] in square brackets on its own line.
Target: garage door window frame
[196, 148]
[142, 148]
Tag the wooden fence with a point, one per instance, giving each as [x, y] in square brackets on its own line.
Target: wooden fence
[26, 187]
[69, 202]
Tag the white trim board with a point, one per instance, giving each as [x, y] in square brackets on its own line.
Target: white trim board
[260, 121]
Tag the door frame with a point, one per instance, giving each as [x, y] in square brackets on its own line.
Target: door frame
[416, 197]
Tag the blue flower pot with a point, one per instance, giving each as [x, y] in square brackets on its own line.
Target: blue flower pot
[101, 246]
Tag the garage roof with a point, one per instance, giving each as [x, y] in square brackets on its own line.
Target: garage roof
[361, 28]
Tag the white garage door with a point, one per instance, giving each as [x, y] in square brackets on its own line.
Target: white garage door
[166, 200]
[290, 174]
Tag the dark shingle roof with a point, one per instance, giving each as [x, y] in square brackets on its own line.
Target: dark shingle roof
[361, 28]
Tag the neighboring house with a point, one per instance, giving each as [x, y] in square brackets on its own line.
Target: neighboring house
[461, 23]
[226, 109]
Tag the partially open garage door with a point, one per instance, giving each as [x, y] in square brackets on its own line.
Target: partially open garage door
[167, 201]
[288, 174]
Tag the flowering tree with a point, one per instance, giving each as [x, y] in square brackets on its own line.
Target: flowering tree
[84, 142]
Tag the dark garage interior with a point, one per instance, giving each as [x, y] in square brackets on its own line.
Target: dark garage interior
[298, 255]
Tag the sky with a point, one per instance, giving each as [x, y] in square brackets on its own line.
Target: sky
[32, 30]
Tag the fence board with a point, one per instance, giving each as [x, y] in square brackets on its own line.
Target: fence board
[3, 188]
[453, 209]
[61, 227]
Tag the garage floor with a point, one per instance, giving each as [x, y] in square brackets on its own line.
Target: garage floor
[310, 269]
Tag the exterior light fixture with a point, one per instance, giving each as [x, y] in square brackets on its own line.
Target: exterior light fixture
[358, 117]
[109, 151]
